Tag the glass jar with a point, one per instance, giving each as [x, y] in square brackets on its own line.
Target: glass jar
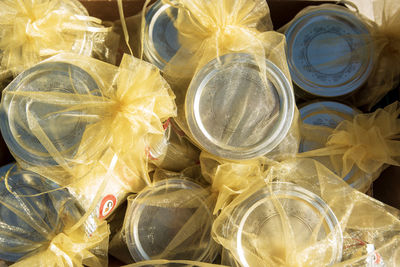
[21, 117]
[256, 226]
[26, 223]
[175, 152]
[233, 113]
[329, 52]
[160, 40]
[168, 211]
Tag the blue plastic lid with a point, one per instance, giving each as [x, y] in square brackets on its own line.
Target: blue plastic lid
[329, 51]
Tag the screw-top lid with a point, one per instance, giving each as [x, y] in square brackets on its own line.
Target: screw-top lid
[170, 220]
[232, 113]
[258, 221]
[329, 51]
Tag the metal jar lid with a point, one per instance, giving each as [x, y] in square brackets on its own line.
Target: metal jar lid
[157, 215]
[160, 36]
[64, 130]
[27, 222]
[257, 218]
[329, 52]
[232, 113]
[330, 114]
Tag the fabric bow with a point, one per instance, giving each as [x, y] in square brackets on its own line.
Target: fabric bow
[32, 30]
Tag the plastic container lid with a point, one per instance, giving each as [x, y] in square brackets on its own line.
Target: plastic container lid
[230, 111]
[159, 212]
[40, 213]
[329, 51]
[64, 130]
[330, 114]
[160, 37]
[257, 220]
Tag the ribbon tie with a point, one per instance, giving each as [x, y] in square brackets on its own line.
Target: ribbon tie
[32, 30]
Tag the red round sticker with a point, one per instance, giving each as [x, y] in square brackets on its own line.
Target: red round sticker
[107, 205]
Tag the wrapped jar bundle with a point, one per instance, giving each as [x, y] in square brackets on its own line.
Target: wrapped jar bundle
[33, 30]
[40, 224]
[329, 114]
[359, 148]
[88, 125]
[293, 213]
[228, 70]
[171, 219]
[334, 52]
[302, 214]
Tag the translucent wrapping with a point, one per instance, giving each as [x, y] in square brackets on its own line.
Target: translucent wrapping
[171, 220]
[369, 142]
[362, 230]
[33, 30]
[212, 35]
[44, 229]
[93, 128]
[373, 53]
[387, 49]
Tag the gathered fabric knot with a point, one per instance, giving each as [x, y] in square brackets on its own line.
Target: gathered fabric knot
[228, 179]
[76, 248]
[369, 142]
[33, 30]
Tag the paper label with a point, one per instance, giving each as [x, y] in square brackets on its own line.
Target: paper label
[107, 205]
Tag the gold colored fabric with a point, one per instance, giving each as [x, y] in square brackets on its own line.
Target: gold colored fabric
[369, 142]
[386, 35]
[72, 249]
[229, 179]
[166, 205]
[362, 220]
[210, 29]
[53, 217]
[125, 120]
[33, 30]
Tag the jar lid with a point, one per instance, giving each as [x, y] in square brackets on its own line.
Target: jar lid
[27, 222]
[170, 220]
[232, 113]
[258, 224]
[64, 130]
[329, 51]
[160, 36]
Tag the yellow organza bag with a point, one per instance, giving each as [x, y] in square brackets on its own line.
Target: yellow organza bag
[304, 215]
[234, 38]
[296, 213]
[41, 225]
[33, 30]
[170, 219]
[368, 142]
[88, 125]
[371, 55]
[387, 49]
